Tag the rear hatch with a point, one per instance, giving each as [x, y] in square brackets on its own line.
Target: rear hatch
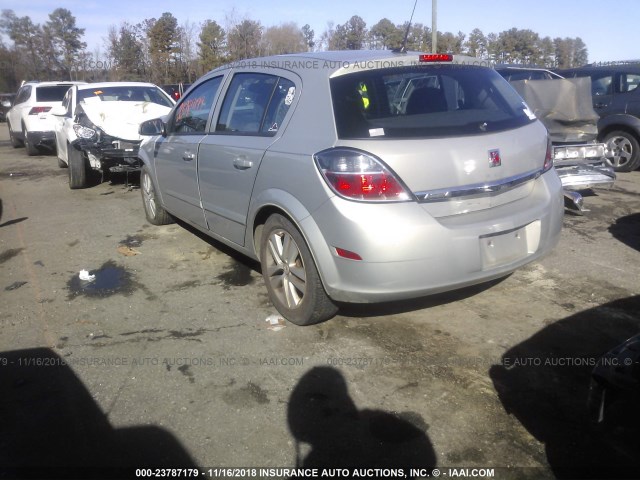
[47, 97]
[458, 136]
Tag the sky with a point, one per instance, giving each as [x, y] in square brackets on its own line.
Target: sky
[610, 31]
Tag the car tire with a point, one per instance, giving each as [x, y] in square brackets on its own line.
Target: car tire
[78, 168]
[625, 151]
[31, 149]
[15, 142]
[155, 213]
[290, 274]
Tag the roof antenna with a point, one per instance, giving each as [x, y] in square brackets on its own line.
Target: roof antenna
[403, 47]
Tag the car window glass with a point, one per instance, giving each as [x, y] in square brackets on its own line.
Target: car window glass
[23, 95]
[629, 82]
[53, 93]
[281, 100]
[425, 102]
[601, 83]
[245, 105]
[124, 93]
[192, 112]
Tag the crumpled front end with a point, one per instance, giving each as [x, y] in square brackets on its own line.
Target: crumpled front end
[104, 151]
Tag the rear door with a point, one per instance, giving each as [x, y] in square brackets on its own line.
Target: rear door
[176, 154]
[19, 106]
[627, 93]
[602, 89]
[247, 123]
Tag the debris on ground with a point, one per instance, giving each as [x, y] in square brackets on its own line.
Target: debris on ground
[127, 251]
[85, 276]
[276, 322]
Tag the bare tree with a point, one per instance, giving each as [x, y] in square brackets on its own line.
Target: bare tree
[283, 38]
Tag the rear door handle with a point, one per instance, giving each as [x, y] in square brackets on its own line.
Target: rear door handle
[187, 156]
[242, 163]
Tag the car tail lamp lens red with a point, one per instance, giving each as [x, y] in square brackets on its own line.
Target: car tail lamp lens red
[548, 158]
[37, 110]
[436, 57]
[347, 254]
[357, 175]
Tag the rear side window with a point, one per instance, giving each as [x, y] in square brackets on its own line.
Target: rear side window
[255, 104]
[428, 101]
[601, 83]
[629, 82]
[23, 95]
[54, 93]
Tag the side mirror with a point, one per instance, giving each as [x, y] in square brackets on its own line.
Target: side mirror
[6, 103]
[59, 111]
[153, 127]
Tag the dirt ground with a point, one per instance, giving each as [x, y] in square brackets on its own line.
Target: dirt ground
[168, 360]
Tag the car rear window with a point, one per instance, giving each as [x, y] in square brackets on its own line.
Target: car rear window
[430, 101]
[54, 93]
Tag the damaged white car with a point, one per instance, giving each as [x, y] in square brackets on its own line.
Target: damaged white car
[97, 127]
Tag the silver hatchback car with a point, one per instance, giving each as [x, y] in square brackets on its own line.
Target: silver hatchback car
[357, 176]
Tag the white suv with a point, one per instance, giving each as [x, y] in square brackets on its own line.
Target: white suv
[29, 121]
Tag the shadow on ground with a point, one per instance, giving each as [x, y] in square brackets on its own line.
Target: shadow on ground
[627, 230]
[322, 415]
[52, 428]
[545, 382]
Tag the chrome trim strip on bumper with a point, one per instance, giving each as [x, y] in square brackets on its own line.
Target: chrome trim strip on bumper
[477, 190]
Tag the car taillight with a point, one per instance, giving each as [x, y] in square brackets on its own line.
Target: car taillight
[37, 110]
[358, 175]
[436, 57]
[548, 158]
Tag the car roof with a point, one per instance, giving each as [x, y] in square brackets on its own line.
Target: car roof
[53, 83]
[90, 86]
[628, 67]
[333, 61]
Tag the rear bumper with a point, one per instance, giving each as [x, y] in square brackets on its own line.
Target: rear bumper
[407, 253]
[42, 139]
[585, 176]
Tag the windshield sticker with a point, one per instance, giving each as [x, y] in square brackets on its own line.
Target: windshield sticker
[273, 128]
[527, 111]
[290, 94]
[376, 132]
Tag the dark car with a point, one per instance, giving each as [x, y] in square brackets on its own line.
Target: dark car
[616, 98]
[6, 100]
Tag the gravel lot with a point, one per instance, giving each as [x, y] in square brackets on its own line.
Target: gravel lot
[167, 359]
